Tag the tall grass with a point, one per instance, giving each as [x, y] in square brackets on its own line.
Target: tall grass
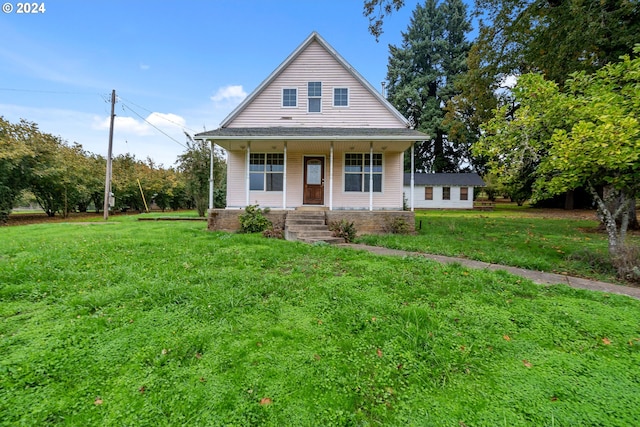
[164, 323]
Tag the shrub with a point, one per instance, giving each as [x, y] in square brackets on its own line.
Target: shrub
[253, 220]
[275, 231]
[344, 229]
[396, 225]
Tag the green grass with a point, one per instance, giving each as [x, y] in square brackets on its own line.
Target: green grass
[512, 236]
[163, 324]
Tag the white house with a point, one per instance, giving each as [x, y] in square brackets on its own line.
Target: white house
[442, 190]
[315, 133]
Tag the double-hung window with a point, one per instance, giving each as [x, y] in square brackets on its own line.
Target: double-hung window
[289, 97]
[358, 169]
[266, 171]
[446, 193]
[340, 97]
[314, 93]
[464, 193]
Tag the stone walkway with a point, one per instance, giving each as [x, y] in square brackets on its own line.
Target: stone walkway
[535, 276]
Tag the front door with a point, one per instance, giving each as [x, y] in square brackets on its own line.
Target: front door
[313, 181]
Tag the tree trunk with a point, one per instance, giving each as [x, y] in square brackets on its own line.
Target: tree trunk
[608, 216]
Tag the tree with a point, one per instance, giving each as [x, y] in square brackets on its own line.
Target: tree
[585, 135]
[195, 168]
[15, 155]
[421, 75]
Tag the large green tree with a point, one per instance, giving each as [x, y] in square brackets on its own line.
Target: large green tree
[15, 157]
[194, 164]
[421, 78]
[586, 134]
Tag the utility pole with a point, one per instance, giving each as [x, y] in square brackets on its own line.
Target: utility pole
[107, 184]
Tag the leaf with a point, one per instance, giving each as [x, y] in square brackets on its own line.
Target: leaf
[379, 352]
[606, 341]
[527, 363]
[506, 337]
[266, 401]
[97, 402]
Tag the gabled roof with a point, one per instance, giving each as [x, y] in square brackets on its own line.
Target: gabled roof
[453, 179]
[314, 36]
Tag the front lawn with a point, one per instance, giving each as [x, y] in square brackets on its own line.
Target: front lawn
[154, 323]
[518, 237]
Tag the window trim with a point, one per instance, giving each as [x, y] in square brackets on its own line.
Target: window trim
[428, 192]
[448, 191]
[334, 97]
[364, 180]
[465, 193]
[264, 172]
[283, 98]
[310, 97]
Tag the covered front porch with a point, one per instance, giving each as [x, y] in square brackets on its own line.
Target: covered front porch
[334, 168]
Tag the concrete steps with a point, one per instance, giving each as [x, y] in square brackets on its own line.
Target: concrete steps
[308, 226]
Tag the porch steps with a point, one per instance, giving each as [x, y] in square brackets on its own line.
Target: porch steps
[308, 226]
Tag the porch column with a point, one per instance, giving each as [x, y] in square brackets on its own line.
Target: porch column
[371, 176]
[211, 176]
[331, 177]
[284, 178]
[413, 166]
[248, 175]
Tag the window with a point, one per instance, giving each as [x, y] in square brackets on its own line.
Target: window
[358, 169]
[314, 92]
[266, 171]
[446, 193]
[340, 97]
[464, 193]
[290, 97]
[428, 193]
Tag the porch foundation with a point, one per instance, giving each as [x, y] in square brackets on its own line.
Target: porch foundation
[365, 222]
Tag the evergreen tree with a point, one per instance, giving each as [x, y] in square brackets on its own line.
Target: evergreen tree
[421, 75]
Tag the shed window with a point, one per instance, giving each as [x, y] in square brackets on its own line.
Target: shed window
[266, 171]
[340, 97]
[446, 193]
[290, 97]
[358, 169]
[428, 193]
[314, 93]
[464, 193]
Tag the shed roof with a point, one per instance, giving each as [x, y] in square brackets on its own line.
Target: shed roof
[453, 179]
[314, 133]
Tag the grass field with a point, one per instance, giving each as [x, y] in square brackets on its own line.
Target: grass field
[151, 323]
[528, 238]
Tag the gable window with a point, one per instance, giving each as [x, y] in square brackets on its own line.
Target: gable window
[341, 97]
[314, 92]
[446, 193]
[464, 193]
[266, 171]
[290, 97]
[428, 193]
[358, 169]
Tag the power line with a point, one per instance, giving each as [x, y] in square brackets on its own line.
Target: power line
[161, 116]
[153, 126]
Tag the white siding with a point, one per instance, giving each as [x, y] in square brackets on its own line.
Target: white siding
[419, 201]
[316, 64]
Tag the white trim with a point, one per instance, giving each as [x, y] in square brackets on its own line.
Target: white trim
[318, 97]
[248, 175]
[282, 97]
[348, 97]
[371, 176]
[284, 179]
[331, 176]
[413, 168]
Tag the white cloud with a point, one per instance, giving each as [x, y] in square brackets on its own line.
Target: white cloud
[509, 81]
[139, 127]
[166, 120]
[234, 93]
[144, 67]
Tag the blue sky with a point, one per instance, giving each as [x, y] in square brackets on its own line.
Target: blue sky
[179, 65]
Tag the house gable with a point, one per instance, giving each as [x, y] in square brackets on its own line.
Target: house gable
[283, 99]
